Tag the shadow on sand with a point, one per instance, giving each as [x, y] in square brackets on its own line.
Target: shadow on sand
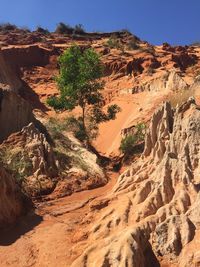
[25, 224]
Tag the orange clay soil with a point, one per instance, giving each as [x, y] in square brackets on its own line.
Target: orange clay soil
[134, 109]
[46, 238]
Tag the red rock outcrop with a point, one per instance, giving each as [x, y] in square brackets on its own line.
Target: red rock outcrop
[32, 55]
[184, 60]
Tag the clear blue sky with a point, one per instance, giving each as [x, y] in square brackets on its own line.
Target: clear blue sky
[157, 21]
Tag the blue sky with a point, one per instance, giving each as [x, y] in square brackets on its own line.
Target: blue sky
[157, 21]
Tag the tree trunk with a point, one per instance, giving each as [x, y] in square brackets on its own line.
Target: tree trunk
[83, 115]
[84, 126]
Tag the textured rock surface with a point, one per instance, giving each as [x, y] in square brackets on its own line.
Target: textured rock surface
[32, 55]
[41, 169]
[153, 200]
[169, 81]
[151, 215]
[12, 201]
[77, 167]
[30, 155]
[8, 75]
[15, 113]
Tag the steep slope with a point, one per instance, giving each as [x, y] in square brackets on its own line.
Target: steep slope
[8, 75]
[15, 112]
[12, 201]
[131, 66]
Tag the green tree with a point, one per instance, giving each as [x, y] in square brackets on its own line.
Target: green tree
[80, 84]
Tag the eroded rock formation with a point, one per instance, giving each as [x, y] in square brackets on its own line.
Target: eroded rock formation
[151, 214]
[168, 81]
[29, 154]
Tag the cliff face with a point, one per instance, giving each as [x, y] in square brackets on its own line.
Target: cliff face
[27, 56]
[12, 202]
[8, 75]
[15, 113]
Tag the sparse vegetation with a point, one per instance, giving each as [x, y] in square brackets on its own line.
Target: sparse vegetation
[127, 31]
[25, 29]
[149, 49]
[197, 43]
[80, 85]
[79, 29]
[66, 152]
[63, 28]
[42, 30]
[17, 161]
[8, 27]
[129, 142]
[180, 96]
[114, 42]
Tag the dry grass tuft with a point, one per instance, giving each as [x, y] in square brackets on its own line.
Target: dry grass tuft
[180, 96]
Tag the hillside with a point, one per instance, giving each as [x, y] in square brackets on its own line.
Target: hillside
[64, 204]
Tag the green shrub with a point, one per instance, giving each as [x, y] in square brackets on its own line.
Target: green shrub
[129, 142]
[79, 29]
[42, 30]
[55, 128]
[126, 31]
[17, 161]
[63, 28]
[77, 127]
[8, 27]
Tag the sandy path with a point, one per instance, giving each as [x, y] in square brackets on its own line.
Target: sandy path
[47, 238]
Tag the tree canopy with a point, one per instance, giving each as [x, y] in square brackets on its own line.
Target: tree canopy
[80, 84]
